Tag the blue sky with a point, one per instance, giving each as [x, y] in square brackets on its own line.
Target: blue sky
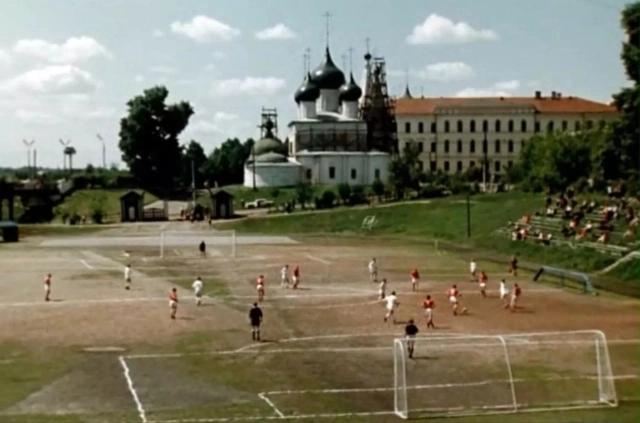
[67, 67]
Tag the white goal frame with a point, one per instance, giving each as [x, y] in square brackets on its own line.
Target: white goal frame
[607, 396]
[231, 233]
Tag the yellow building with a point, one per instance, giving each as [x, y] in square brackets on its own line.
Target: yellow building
[454, 133]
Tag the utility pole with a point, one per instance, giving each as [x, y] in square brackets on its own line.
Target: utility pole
[193, 183]
[485, 151]
[65, 144]
[468, 216]
[253, 163]
[104, 152]
[29, 144]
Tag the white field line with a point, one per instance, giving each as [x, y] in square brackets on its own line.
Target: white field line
[7, 361]
[87, 265]
[318, 259]
[271, 404]
[286, 417]
[81, 302]
[441, 385]
[134, 393]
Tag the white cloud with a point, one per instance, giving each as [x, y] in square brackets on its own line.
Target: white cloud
[437, 29]
[55, 79]
[223, 116]
[446, 71]
[157, 33]
[138, 78]
[499, 89]
[165, 70]
[276, 32]
[210, 67]
[249, 86]
[74, 50]
[5, 58]
[219, 55]
[203, 29]
[36, 117]
[220, 123]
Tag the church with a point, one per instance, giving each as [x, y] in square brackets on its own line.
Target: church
[336, 136]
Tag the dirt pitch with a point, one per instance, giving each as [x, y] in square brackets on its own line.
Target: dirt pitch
[326, 354]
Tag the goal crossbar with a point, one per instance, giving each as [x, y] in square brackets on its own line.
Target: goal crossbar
[224, 238]
[497, 374]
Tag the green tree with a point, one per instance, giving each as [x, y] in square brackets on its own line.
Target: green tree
[149, 137]
[304, 193]
[405, 172]
[225, 165]
[344, 191]
[378, 188]
[193, 153]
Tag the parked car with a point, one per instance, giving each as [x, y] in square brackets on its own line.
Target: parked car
[259, 203]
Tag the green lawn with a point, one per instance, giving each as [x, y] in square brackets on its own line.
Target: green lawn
[82, 201]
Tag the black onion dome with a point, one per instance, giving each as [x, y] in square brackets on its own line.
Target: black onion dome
[327, 76]
[350, 91]
[308, 91]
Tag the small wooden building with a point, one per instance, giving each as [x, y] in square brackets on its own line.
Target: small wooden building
[9, 231]
[131, 207]
[221, 204]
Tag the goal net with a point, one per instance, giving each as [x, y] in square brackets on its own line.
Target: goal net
[186, 244]
[471, 375]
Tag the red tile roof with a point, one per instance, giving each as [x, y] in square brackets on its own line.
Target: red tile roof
[563, 105]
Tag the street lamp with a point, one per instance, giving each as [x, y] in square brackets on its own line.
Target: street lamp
[104, 152]
[29, 144]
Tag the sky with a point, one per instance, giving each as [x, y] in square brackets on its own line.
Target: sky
[68, 67]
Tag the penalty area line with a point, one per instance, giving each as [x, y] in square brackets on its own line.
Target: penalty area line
[285, 417]
[132, 389]
[270, 403]
[323, 261]
[87, 265]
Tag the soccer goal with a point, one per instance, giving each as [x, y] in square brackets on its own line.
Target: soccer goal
[186, 244]
[473, 375]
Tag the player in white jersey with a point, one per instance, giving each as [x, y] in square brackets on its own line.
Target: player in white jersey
[504, 293]
[382, 289]
[284, 274]
[197, 289]
[473, 268]
[392, 304]
[373, 270]
[127, 276]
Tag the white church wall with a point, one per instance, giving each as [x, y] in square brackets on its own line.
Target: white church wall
[350, 109]
[352, 168]
[329, 101]
[307, 110]
[273, 175]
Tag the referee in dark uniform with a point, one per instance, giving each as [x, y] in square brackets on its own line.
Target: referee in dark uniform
[410, 331]
[255, 317]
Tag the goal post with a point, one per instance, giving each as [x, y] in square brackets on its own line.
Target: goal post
[185, 243]
[495, 374]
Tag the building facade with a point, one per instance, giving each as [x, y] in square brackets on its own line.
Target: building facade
[453, 134]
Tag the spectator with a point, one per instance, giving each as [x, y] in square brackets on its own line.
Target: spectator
[604, 237]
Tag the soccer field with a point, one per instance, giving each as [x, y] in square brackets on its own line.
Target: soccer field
[100, 353]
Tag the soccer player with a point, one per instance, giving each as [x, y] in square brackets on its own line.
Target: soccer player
[514, 297]
[473, 267]
[197, 289]
[260, 287]
[127, 276]
[410, 331]
[454, 295]
[513, 266]
[483, 283]
[255, 317]
[415, 279]
[203, 249]
[504, 291]
[392, 303]
[428, 304]
[382, 289]
[296, 277]
[47, 287]
[173, 303]
[373, 270]
[284, 274]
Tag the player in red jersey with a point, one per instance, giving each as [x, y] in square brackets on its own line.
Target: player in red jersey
[428, 304]
[260, 287]
[173, 303]
[515, 295]
[47, 287]
[482, 283]
[415, 279]
[296, 276]
[453, 295]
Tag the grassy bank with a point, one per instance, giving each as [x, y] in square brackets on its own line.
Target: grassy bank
[82, 202]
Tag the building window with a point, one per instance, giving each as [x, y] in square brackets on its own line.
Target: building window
[497, 146]
[577, 125]
[332, 172]
[536, 128]
[498, 125]
[485, 146]
[420, 147]
[459, 166]
[433, 127]
[407, 127]
[376, 174]
[485, 126]
[353, 174]
[497, 166]
[589, 124]
[565, 125]
[432, 166]
[509, 164]
[446, 126]
[523, 126]
[308, 174]
[510, 146]
[472, 146]
[446, 146]
[434, 147]
[550, 126]
[472, 126]
[460, 128]
[510, 125]
[472, 164]
[420, 127]
[459, 146]
[446, 166]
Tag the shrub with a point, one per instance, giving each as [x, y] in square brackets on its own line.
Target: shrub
[344, 191]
